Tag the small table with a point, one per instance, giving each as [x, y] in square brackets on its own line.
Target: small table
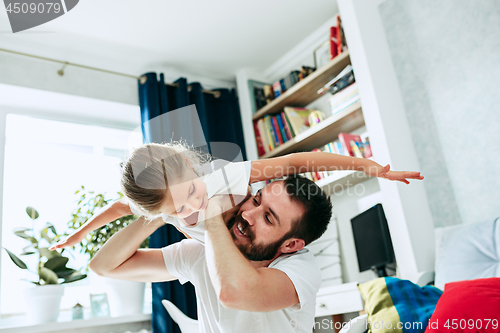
[339, 299]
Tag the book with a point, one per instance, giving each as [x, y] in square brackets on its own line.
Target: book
[356, 148]
[274, 135]
[333, 43]
[282, 129]
[263, 135]
[345, 139]
[260, 99]
[341, 42]
[339, 149]
[268, 93]
[343, 94]
[283, 86]
[277, 89]
[285, 126]
[270, 139]
[292, 133]
[274, 122]
[298, 118]
[258, 138]
[346, 104]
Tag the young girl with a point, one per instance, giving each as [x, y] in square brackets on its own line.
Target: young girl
[175, 182]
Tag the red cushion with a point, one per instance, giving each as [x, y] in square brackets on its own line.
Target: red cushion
[468, 306]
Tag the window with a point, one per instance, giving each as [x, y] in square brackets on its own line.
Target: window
[46, 161]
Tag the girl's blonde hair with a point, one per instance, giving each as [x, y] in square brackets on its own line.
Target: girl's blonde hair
[149, 170]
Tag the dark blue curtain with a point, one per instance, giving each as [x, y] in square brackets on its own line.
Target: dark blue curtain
[221, 122]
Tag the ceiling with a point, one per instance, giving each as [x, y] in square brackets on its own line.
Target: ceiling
[212, 39]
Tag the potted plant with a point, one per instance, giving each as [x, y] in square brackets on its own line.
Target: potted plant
[43, 301]
[125, 297]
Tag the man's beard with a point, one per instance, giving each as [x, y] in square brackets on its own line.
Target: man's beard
[252, 251]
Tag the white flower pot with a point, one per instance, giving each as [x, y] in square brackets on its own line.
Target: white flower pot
[43, 302]
[125, 297]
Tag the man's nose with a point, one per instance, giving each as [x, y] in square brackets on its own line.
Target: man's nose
[250, 215]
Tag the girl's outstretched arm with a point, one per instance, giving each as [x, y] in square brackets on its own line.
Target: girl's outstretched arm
[105, 215]
[320, 161]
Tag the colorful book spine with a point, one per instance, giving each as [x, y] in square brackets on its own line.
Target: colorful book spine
[274, 136]
[285, 126]
[282, 128]
[282, 85]
[277, 89]
[340, 149]
[290, 128]
[263, 135]
[269, 134]
[258, 138]
[276, 128]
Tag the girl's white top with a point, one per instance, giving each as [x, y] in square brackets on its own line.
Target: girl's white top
[220, 177]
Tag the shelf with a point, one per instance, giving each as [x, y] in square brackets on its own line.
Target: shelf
[306, 91]
[65, 324]
[324, 132]
[341, 179]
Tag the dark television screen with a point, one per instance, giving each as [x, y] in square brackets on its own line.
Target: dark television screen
[372, 239]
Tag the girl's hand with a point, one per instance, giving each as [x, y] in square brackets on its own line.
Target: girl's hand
[71, 240]
[401, 176]
[225, 204]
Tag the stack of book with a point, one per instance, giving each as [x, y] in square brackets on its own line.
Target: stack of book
[265, 93]
[344, 98]
[353, 145]
[272, 131]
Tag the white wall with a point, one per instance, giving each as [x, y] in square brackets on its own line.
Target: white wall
[41, 74]
[446, 57]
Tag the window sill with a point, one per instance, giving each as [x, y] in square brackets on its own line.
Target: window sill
[65, 323]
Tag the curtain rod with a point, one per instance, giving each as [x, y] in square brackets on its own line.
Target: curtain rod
[65, 63]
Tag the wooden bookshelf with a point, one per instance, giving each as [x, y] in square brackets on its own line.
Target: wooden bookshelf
[342, 179]
[324, 132]
[306, 91]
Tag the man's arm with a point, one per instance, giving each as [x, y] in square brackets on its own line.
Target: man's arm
[238, 284]
[120, 257]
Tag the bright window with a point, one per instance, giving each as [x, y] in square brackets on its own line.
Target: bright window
[46, 161]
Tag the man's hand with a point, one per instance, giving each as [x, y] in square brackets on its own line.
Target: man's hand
[385, 172]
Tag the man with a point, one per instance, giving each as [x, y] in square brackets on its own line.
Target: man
[253, 274]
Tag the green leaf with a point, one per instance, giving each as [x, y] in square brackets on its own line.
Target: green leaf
[48, 276]
[51, 227]
[35, 283]
[32, 213]
[56, 263]
[27, 253]
[64, 272]
[20, 229]
[75, 277]
[16, 260]
[21, 234]
[45, 252]
[44, 235]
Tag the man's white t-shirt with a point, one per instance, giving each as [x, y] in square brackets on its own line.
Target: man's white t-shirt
[186, 261]
[221, 177]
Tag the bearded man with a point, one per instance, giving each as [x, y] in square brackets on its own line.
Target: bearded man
[253, 274]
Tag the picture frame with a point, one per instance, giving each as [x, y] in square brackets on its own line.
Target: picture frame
[256, 88]
[322, 54]
[99, 305]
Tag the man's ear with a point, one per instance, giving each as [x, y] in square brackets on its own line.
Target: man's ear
[292, 245]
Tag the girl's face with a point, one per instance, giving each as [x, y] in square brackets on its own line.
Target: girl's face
[187, 196]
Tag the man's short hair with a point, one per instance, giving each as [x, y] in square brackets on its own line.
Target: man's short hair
[318, 208]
